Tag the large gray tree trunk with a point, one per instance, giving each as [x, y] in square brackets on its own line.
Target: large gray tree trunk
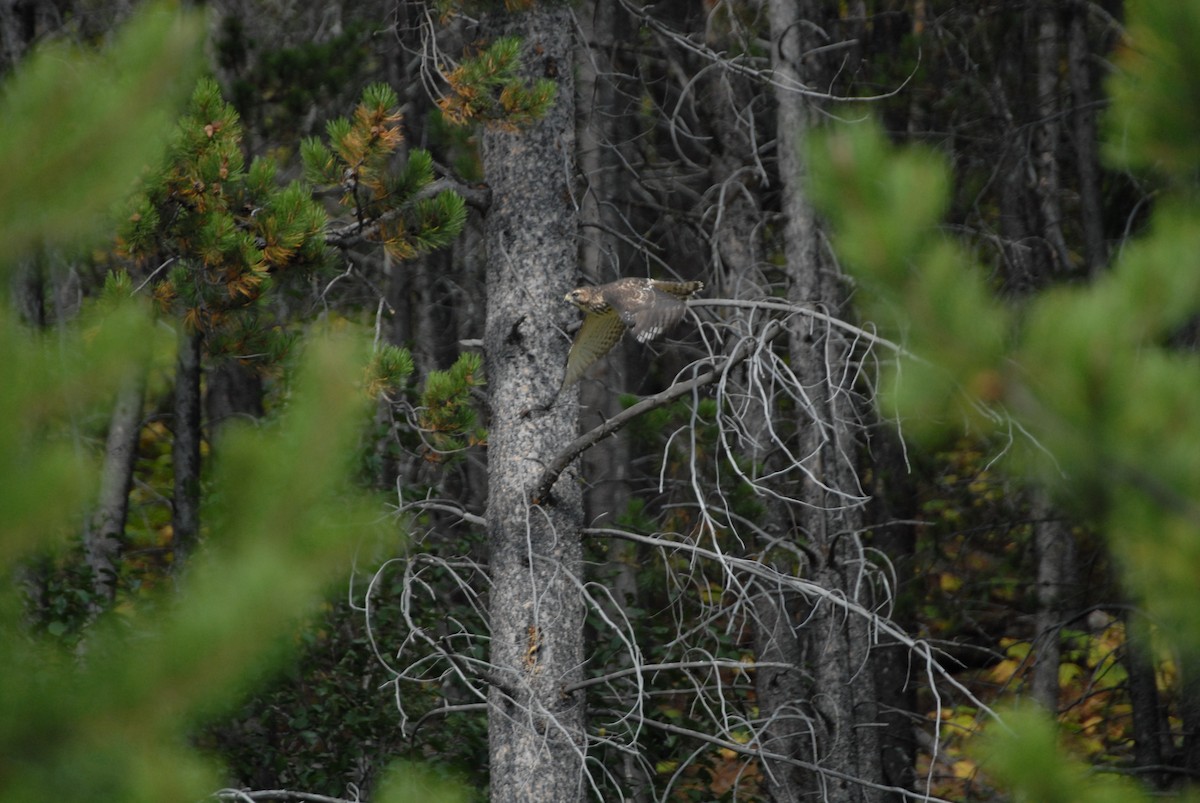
[536, 737]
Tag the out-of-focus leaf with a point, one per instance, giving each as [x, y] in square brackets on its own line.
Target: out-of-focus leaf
[79, 127]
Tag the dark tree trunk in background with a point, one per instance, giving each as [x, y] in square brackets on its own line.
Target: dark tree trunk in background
[893, 508]
[185, 453]
[1149, 727]
[830, 514]
[1046, 156]
[535, 727]
[1083, 130]
[233, 391]
[1055, 549]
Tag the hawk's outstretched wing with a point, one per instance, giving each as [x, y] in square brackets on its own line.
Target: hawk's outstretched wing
[647, 307]
[647, 312]
[599, 333]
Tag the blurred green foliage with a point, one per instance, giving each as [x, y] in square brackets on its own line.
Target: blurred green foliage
[109, 720]
[1090, 375]
[79, 126]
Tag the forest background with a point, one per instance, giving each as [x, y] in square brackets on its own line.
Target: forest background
[294, 505]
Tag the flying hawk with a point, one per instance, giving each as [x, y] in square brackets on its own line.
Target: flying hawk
[647, 307]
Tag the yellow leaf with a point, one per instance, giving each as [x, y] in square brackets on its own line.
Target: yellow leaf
[1004, 671]
[949, 582]
[963, 768]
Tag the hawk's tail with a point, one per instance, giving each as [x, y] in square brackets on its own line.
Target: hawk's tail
[684, 290]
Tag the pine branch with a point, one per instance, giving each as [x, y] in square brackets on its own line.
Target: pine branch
[585, 441]
[352, 234]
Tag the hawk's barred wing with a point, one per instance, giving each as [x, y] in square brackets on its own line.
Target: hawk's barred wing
[599, 333]
[655, 319]
[647, 307]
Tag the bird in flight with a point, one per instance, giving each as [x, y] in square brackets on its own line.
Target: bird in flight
[646, 307]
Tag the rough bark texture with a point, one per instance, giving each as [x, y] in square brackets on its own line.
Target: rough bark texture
[185, 452]
[102, 540]
[536, 738]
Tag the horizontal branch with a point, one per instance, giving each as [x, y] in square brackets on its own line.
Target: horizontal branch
[352, 234]
[446, 710]
[588, 439]
[777, 305]
[243, 796]
[744, 666]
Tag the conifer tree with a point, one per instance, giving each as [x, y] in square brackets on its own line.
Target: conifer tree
[214, 236]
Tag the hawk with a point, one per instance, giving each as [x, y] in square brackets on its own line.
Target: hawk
[647, 307]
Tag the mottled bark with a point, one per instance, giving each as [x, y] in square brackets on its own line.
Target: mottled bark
[185, 451]
[535, 729]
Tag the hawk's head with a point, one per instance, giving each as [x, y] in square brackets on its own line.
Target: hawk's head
[588, 299]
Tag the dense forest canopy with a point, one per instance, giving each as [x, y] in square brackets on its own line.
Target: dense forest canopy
[902, 505]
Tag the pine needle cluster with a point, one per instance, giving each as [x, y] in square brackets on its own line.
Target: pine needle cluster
[490, 89]
[447, 417]
[390, 198]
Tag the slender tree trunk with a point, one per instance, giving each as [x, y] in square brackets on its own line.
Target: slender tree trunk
[233, 391]
[1048, 130]
[102, 540]
[1083, 129]
[185, 518]
[1149, 729]
[830, 516]
[782, 692]
[535, 728]
[606, 466]
[893, 504]
[1055, 572]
